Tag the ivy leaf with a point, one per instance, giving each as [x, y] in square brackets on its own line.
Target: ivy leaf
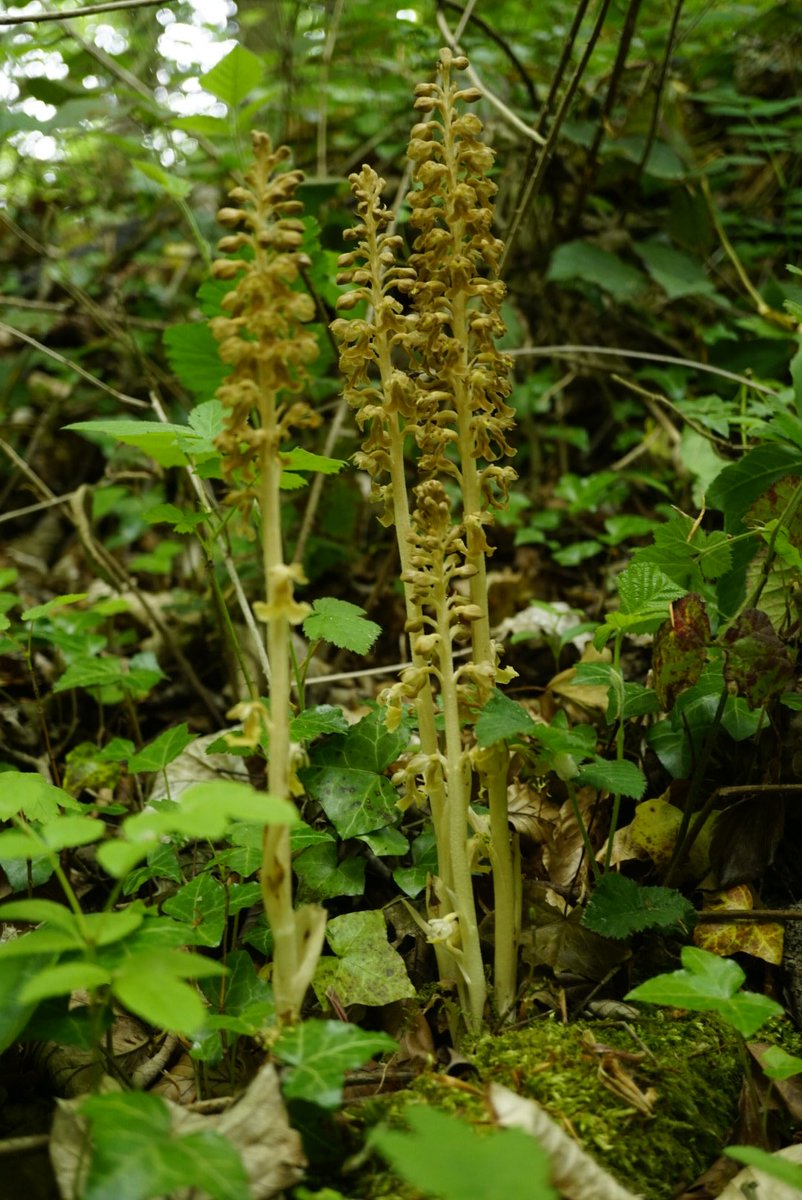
[237, 74]
[502, 720]
[445, 1156]
[200, 904]
[318, 1054]
[355, 801]
[620, 908]
[341, 623]
[708, 983]
[324, 877]
[366, 970]
[312, 722]
[135, 1155]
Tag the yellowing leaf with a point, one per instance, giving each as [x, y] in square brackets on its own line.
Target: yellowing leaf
[738, 937]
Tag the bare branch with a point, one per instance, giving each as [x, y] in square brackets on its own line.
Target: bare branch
[69, 13]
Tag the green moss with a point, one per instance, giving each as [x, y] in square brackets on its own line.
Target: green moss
[692, 1063]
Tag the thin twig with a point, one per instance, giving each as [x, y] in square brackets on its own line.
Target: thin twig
[71, 366]
[567, 351]
[71, 14]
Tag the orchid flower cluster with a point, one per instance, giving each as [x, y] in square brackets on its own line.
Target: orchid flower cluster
[428, 384]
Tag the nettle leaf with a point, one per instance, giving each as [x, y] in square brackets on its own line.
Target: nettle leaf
[29, 793]
[183, 520]
[44, 610]
[502, 720]
[318, 1054]
[304, 460]
[193, 355]
[109, 673]
[135, 1156]
[366, 970]
[323, 877]
[312, 722]
[756, 659]
[680, 648]
[344, 625]
[201, 904]
[620, 778]
[708, 983]
[620, 908]
[644, 588]
[237, 74]
[168, 445]
[162, 750]
[445, 1156]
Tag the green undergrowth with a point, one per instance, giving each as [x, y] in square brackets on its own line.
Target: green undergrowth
[691, 1062]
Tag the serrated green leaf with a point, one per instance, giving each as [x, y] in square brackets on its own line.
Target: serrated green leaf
[162, 750]
[344, 625]
[29, 793]
[168, 445]
[44, 610]
[237, 74]
[502, 719]
[313, 722]
[619, 908]
[318, 1054]
[193, 354]
[304, 460]
[620, 778]
[643, 588]
[449, 1158]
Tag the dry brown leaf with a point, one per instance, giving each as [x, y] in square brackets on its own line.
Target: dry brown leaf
[588, 697]
[531, 812]
[564, 854]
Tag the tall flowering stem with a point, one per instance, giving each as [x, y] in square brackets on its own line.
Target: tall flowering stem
[263, 337]
[450, 397]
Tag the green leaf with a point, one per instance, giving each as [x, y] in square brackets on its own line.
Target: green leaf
[243, 999]
[620, 778]
[183, 520]
[355, 801]
[168, 445]
[105, 928]
[201, 904]
[171, 183]
[62, 833]
[44, 610]
[779, 1064]
[108, 672]
[644, 589]
[366, 970]
[344, 625]
[678, 274]
[770, 1164]
[151, 985]
[14, 844]
[304, 460]
[740, 484]
[620, 908]
[757, 661]
[37, 911]
[590, 264]
[136, 1157]
[680, 649]
[27, 792]
[319, 1053]
[194, 357]
[412, 880]
[63, 979]
[708, 983]
[162, 750]
[237, 74]
[502, 719]
[312, 722]
[447, 1157]
[324, 877]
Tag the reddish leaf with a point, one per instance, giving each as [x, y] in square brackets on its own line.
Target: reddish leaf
[756, 659]
[680, 647]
